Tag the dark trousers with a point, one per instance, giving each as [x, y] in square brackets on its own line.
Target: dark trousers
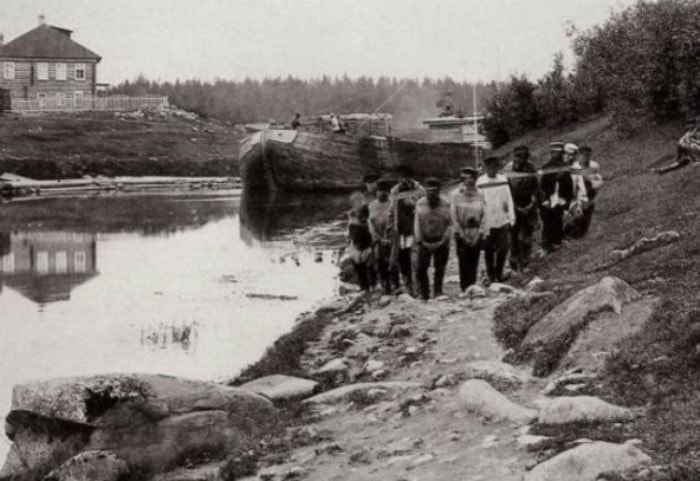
[468, 261]
[552, 226]
[522, 234]
[405, 259]
[584, 223]
[366, 275]
[423, 257]
[496, 247]
[388, 277]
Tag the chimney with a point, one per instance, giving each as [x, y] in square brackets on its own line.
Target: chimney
[42, 19]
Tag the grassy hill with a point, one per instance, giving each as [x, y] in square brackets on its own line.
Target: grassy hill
[659, 367]
[54, 146]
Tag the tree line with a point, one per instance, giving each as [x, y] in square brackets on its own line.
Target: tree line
[249, 100]
[640, 64]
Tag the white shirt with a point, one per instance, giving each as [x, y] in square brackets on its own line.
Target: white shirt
[498, 202]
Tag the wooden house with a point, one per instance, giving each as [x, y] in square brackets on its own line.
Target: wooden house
[47, 65]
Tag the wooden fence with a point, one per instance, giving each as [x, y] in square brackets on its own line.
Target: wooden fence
[108, 103]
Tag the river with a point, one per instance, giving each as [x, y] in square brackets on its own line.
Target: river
[176, 285]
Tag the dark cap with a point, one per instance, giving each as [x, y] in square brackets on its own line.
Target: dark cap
[384, 185]
[521, 149]
[404, 170]
[370, 178]
[491, 160]
[468, 172]
[432, 183]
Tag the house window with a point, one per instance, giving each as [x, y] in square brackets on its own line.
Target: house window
[9, 70]
[80, 262]
[60, 99]
[42, 99]
[42, 71]
[42, 262]
[79, 71]
[78, 96]
[61, 262]
[61, 69]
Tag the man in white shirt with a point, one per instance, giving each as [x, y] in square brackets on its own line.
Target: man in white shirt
[574, 213]
[593, 181]
[499, 217]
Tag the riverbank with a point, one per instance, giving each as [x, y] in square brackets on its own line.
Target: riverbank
[166, 141]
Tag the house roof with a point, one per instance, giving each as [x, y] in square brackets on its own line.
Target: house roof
[47, 42]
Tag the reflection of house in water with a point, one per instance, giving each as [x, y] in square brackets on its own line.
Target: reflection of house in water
[46, 266]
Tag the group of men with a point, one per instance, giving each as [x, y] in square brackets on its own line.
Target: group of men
[397, 231]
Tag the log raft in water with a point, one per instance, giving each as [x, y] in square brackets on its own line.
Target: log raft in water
[289, 160]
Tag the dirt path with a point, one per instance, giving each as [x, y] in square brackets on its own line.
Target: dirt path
[421, 437]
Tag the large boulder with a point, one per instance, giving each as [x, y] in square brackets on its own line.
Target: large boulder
[571, 409]
[586, 461]
[565, 320]
[478, 396]
[151, 422]
[279, 387]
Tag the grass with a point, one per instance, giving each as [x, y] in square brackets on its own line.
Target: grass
[659, 366]
[97, 143]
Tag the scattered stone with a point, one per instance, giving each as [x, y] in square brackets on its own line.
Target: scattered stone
[455, 436]
[478, 396]
[400, 447]
[295, 473]
[575, 387]
[372, 366]
[499, 374]
[413, 410]
[500, 288]
[489, 441]
[398, 331]
[562, 410]
[531, 442]
[422, 459]
[587, 461]
[446, 380]
[363, 456]
[328, 448]
[91, 466]
[384, 301]
[475, 292]
[279, 387]
[645, 244]
[346, 288]
[345, 393]
[535, 284]
[566, 379]
[380, 374]
[406, 298]
[334, 369]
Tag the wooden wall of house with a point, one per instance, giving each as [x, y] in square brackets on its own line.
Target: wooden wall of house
[26, 75]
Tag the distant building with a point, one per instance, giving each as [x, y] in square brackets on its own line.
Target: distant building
[45, 64]
[46, 266]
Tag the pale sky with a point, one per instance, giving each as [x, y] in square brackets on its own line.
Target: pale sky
[234, 39]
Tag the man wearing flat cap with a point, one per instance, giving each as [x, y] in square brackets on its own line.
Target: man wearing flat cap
[525, 191]
[499, 218]
[432, 230]
[467, 209]
[556, 194]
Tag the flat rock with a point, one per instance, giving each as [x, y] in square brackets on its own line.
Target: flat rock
[569, 316]
[478, 396]
[586, 461]
[90, 466]
[499, 374]
[345, 393]
[600, 338]
[570, 409]
[279, 387]
[500, 288]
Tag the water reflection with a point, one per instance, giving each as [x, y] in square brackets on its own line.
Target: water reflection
[46, 266]
[270, 216]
